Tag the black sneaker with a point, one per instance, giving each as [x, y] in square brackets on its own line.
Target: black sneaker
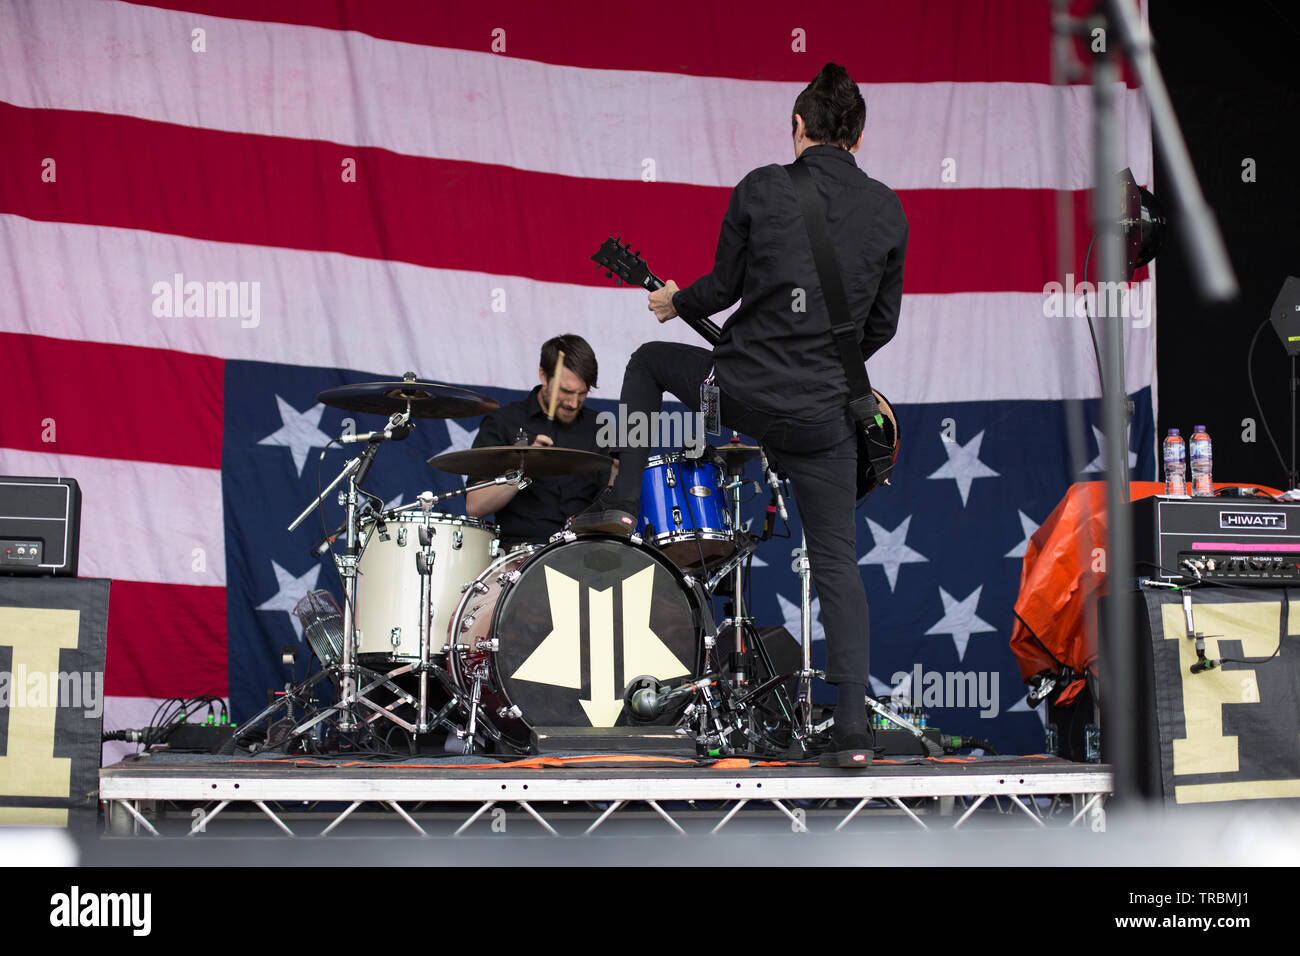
[850, 749]
[608, 514]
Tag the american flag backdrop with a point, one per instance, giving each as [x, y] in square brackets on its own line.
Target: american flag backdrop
[364, 188]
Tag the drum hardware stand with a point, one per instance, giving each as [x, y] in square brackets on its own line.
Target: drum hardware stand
[291, 694]
[350, 693]
[743, 623]
[478, 720]
[354, 472]
[475, 705]
[740, 621]
[803, 568]
[712, 703]
[931, 747]
[713, 733]
[424, 560]
[510, 478]
[746, 546]
[300, 695]
[721, 733]
[388, 711]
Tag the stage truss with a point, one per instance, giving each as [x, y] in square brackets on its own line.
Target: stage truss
[440, 802]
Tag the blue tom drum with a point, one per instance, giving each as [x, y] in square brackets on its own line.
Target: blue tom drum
[684, 511]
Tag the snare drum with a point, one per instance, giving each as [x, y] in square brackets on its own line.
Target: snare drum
[684, 510]
[556, 632]
[388, 584]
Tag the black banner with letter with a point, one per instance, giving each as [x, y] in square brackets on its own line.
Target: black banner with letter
[52, 642]
[1231, 732]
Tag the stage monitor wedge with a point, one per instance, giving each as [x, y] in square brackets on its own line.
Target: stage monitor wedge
[1286, 315]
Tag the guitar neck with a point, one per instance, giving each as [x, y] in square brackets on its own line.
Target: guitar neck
[617, 260]
[707, 329]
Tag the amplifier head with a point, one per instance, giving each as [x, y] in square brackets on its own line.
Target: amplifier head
[40, 525]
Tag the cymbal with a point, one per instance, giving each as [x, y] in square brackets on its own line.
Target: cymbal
[535, 461]
[427, 399]
[733, 453]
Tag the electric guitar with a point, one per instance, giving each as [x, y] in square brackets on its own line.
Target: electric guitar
[875, 444]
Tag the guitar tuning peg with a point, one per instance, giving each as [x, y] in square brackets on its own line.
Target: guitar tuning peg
[638, 253]
[609, 275]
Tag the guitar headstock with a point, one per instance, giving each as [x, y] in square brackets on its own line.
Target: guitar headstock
[620, 262]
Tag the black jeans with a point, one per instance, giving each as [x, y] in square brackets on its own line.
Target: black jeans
[819, 458]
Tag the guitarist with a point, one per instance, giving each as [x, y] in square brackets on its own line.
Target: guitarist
[777, 370]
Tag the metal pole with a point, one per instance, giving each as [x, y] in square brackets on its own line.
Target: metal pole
[1292, 478]
[1119, 688]
[805, 626]
[1211, 270]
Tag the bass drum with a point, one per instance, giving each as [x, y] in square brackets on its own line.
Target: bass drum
[556, 632]
[388, 584]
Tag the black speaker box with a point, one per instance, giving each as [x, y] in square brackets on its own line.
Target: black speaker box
[40, 526]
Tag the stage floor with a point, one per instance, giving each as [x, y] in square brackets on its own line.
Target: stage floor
[567, 795]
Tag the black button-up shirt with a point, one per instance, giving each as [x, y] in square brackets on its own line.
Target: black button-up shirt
[772, 356]
[540, 510]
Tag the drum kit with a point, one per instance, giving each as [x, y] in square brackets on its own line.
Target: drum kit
[442, 633]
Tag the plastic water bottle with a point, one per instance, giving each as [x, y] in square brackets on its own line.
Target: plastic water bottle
[1202, 464]
[1175, 464]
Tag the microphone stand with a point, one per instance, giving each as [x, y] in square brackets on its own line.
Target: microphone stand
[350, 693]
[1215, 278]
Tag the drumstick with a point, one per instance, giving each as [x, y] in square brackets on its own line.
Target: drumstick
[555, 386]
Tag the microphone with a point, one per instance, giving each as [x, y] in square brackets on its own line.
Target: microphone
[651, 702]
[395, 432]
[1207, 664]
[324, 544]
[769, 519]
[776, 487]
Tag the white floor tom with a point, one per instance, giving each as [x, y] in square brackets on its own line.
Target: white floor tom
[388, 584]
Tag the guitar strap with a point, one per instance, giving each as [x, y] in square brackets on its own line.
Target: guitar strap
[862, 400]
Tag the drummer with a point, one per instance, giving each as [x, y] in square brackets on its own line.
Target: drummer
[540, 510]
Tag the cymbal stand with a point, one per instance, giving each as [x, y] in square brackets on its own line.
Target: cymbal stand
[354, 472]
[744, 624]
[739, 621]
[509, 478]
[424, 560]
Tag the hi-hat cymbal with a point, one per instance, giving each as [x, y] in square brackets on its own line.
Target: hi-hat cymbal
[426, 399]
[535, 461]
[734, 453]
